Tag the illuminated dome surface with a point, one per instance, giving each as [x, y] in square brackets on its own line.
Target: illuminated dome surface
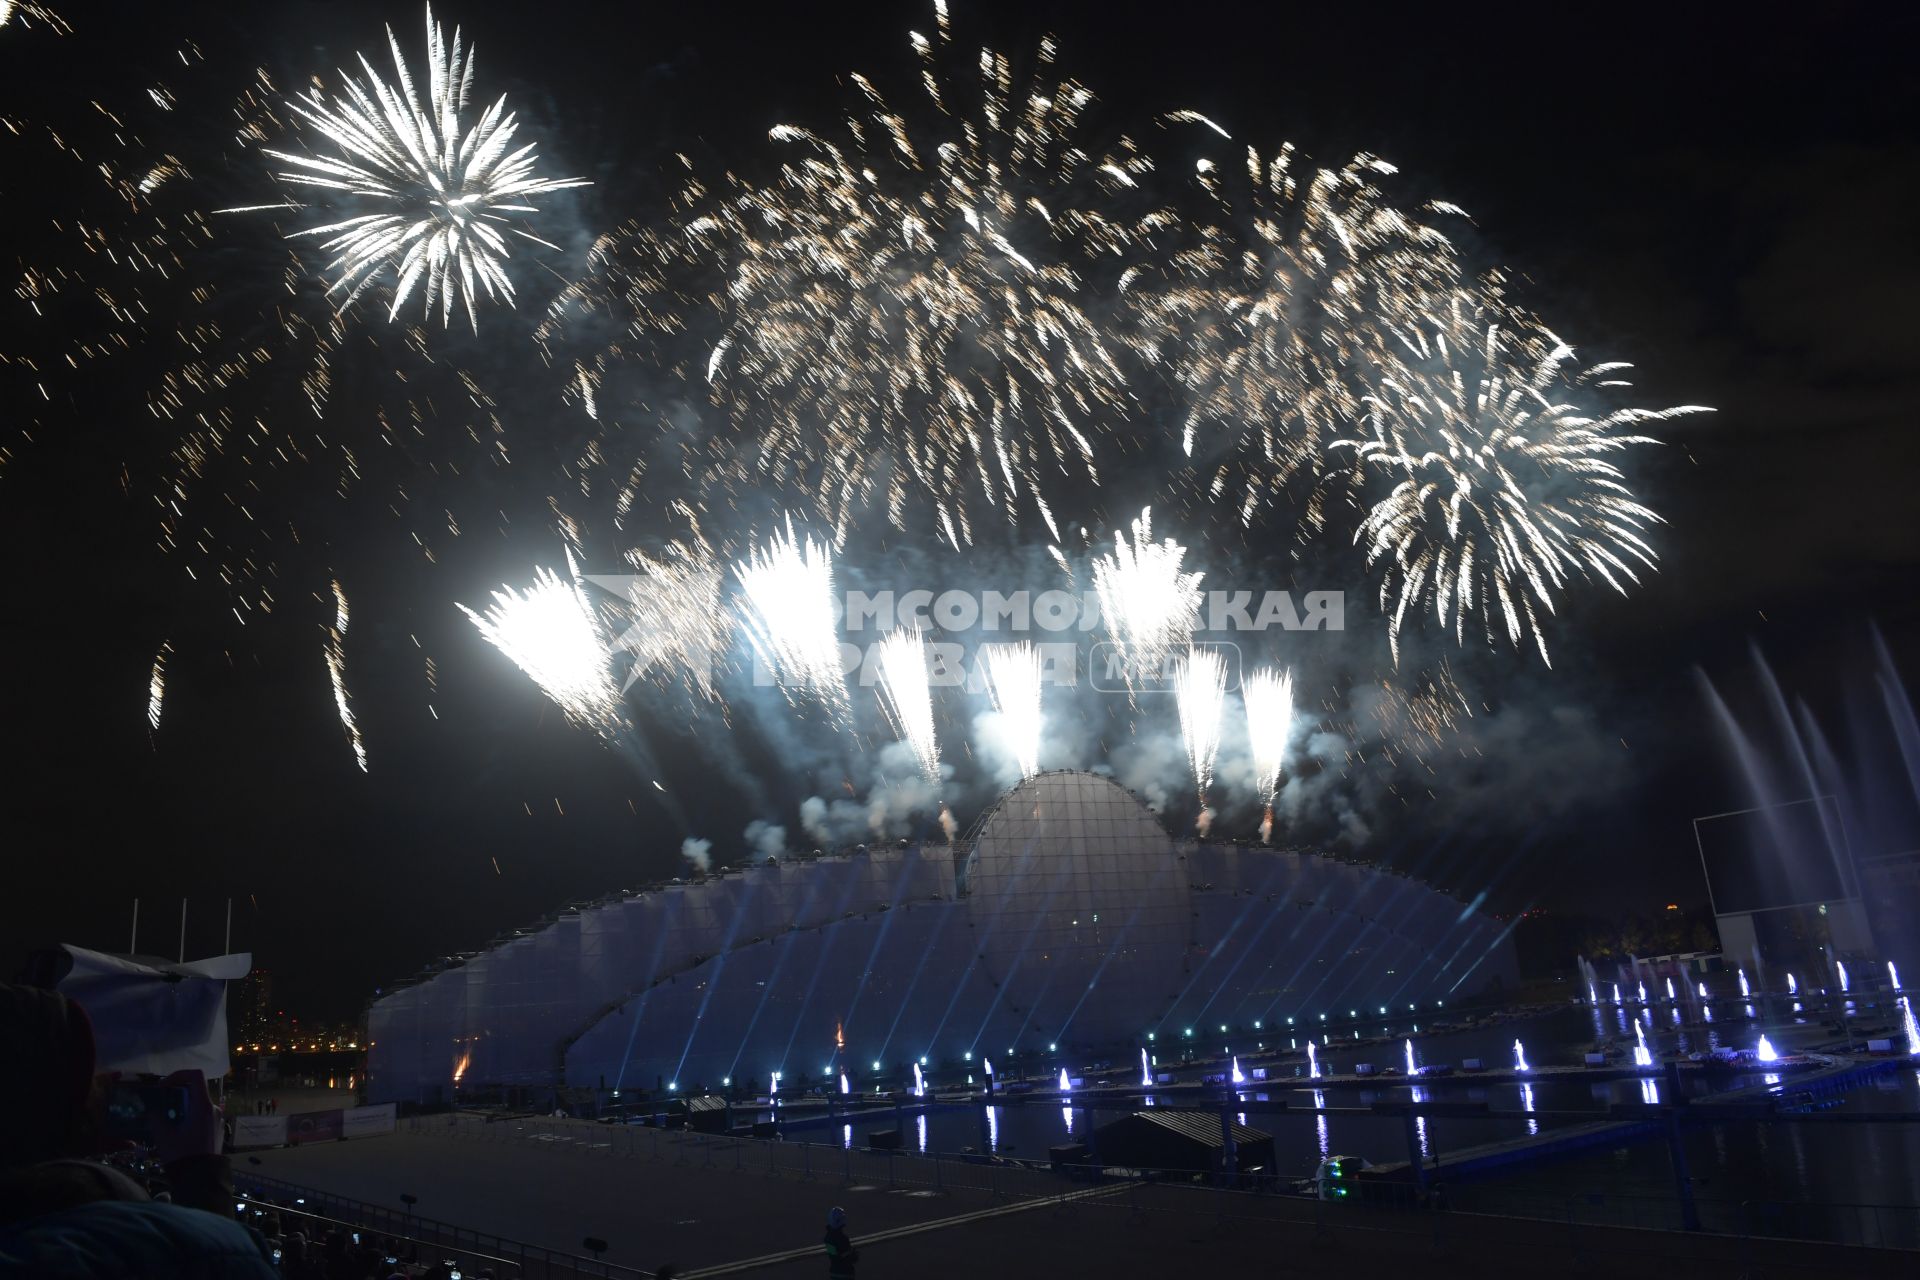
[1075, 888]
[1071, 921]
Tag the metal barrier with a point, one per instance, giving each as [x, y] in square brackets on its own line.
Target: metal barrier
[398, 1249]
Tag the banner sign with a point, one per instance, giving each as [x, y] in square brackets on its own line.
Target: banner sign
[314, 1126]
[259, 1131]
[366, 1122]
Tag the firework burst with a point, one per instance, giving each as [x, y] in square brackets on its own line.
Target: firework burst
[907, 698]
[1492, 487]
[1149, 605]
[1258, 310]
[786, 610]
[1015, 674]
[1269, 701]
[550, 631]
[909, 308]
[444, 187]
[1200, 685]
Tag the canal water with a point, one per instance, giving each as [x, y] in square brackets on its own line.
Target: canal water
[1771, 1172]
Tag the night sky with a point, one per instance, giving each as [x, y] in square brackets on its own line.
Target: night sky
[1722, 200]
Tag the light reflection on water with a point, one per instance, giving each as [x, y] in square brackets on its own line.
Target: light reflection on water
[1733, 1160]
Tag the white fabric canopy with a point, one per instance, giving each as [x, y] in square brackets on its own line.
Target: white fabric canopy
[153, 1016]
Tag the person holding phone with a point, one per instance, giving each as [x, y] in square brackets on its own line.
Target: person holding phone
[65, 1214]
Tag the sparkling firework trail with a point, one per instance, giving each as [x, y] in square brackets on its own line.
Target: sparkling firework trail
[1200, 684]
[336, 656]
[157, 686]
[786, 610]
[1269, 701]
[908, 306]
[1015, 674]
[444, 187]
[550, 632]
[1149, 605]
[1498, 489]
[907, 698]
[26, 12]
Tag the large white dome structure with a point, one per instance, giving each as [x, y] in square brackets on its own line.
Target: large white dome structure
[1068, 917]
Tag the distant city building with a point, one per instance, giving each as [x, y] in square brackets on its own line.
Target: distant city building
[1070, 922]
[250, 1008]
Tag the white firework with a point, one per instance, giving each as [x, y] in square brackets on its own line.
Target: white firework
[786, 610]
[1499, 489]
[907, 698]
[1269, 701]
[442, 188]
[1200, 685]
[1014, 674]
[679, 627]
[336, 656]
[1150, 607]
[550, 632]
[157, 686]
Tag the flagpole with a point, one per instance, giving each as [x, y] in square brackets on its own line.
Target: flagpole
[183, 931]
[133, 942]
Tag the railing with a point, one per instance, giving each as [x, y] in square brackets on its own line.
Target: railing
[527, 1261]
[398, 1249]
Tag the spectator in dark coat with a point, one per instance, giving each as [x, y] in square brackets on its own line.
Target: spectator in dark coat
[64, 1216]
[841, 1255]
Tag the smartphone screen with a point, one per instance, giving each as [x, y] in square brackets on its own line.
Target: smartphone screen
[137, 1112]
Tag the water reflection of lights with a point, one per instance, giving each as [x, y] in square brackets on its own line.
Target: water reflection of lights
[1526, 1104]
[1320, 1121]
[1420, 1124]
[993, 1128]
[846, 1136]
[922, 1125]
[1066, 1114]
[1650, 1091]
